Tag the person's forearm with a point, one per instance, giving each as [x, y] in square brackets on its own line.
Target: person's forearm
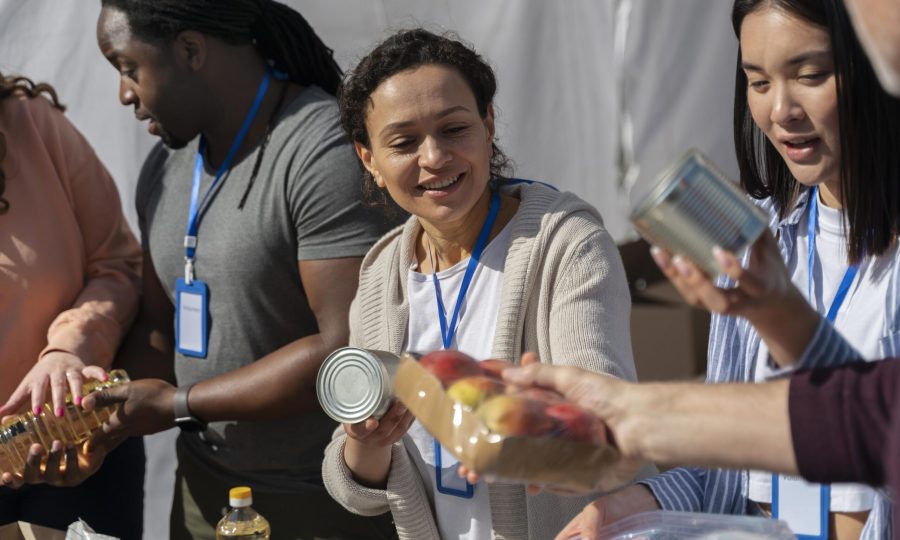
[709, 425]
[281, 384]
[786, 328]
[369, 465]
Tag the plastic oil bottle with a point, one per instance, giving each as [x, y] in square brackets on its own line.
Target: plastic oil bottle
[75, 426]
[242, 522]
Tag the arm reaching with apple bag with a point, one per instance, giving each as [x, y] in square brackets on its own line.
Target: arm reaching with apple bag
[776, 426]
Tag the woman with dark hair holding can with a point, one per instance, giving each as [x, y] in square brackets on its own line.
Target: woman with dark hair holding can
[816, 141]
[544, 276]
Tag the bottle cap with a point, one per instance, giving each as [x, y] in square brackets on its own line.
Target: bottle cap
[240, 496]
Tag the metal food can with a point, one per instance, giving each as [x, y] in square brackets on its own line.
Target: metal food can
[354, 384]
[693, 208]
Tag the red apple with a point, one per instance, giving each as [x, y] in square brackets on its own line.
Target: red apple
[448, 366]
[513, 415]
[493, 367]
[573, 422]
[473, 391]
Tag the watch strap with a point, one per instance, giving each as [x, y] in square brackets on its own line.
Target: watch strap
[183, 416]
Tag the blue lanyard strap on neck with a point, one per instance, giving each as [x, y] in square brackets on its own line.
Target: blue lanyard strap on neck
[447, 332]
[190, 239]
[849, 275]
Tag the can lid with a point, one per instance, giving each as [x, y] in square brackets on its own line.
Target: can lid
[351, 385]
[240, 496]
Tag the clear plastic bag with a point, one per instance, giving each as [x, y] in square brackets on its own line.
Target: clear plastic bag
[531, 436]
[665, 525]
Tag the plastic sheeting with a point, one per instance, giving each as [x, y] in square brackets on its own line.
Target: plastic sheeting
[573, 109]
[595, 96]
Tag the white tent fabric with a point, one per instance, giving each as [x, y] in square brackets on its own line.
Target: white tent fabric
[596, 96]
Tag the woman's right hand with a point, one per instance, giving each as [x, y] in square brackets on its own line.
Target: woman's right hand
[764, 295]
[764, 283]
[609, 509]
[367, 450]
[384, 432]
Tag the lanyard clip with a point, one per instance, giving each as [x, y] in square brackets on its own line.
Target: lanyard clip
[190, 243]
[188, 270]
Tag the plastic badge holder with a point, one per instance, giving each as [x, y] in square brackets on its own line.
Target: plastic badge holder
[663, 525]
[577, 465]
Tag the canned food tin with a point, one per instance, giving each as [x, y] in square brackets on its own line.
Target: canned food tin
[693, 208]
[354, 384]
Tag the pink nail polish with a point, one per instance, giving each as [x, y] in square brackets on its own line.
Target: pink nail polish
[77, 400]
[37, 410]
[60, 411]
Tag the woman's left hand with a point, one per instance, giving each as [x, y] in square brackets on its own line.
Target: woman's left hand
[62, 372]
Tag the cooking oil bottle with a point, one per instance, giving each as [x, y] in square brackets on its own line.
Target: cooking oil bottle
[75, 426]
[242, 522]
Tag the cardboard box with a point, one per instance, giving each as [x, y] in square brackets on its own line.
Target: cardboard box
[27, 531]
[668, 337]
[581, 466]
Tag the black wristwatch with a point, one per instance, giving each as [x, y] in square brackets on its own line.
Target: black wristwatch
[183, 417]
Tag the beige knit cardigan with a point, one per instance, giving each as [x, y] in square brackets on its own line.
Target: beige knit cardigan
[564, 295]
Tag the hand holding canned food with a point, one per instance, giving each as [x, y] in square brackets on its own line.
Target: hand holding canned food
[383, 431]
[700, 223]
[762, 293]
[764, 282]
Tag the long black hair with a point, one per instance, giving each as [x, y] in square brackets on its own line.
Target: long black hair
[9, 87]
[280, 34]
[408, 49]
[868, 118]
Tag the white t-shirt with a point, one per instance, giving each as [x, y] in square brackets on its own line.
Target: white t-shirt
[860, 320]
[456, 517]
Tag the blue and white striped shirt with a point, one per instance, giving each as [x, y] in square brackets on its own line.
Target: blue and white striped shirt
[733, 349]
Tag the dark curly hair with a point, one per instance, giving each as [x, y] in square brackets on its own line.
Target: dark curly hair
[406, 50]
[10, 86]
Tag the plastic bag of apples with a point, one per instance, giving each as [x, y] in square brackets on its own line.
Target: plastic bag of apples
[525, 435]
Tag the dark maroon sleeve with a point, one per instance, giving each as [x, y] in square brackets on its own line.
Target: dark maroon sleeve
[841, 420]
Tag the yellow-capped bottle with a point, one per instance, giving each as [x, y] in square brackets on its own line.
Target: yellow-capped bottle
[75, 426]
[242, 522]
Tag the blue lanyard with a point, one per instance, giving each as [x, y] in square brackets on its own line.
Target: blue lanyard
[190, 239]
[447, 333]
[849, 275]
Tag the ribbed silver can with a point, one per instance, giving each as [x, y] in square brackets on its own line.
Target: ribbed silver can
[354, 384]
[693, 208]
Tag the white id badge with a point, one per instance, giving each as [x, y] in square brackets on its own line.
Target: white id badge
[802, 505]
[191, 316]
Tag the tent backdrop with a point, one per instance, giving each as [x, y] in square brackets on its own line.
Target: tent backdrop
[595, 96]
